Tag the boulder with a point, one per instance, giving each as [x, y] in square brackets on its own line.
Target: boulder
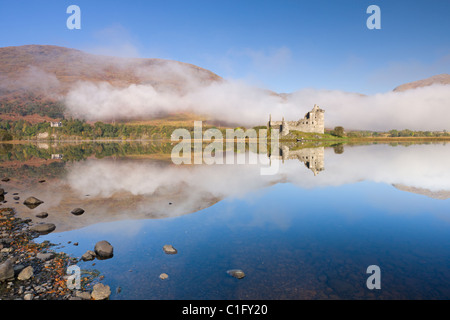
[103, 250]
[6, 270]
[101, 292]
[43, 228]
[26, 273]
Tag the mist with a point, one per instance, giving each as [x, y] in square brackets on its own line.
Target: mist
[171, 88]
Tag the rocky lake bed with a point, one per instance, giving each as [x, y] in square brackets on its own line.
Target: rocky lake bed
[35, 271]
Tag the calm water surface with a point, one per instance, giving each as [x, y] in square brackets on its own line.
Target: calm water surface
[307, 232]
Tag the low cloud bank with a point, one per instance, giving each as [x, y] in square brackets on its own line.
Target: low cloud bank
[426, 108]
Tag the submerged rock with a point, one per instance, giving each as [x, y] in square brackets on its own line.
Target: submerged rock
[169, 249]
[101, 292]
[103, 250]
[237, 273]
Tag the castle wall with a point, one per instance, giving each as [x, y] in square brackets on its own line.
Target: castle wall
[314, 121]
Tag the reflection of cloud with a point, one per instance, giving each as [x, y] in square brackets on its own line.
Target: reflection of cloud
[134, 189]
[420, 166]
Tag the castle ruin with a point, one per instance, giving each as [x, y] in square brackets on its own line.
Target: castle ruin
[314, 121]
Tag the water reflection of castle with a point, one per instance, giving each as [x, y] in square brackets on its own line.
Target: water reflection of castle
[313, 158]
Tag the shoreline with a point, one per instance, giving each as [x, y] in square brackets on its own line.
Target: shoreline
[340, 140]
[34, 271]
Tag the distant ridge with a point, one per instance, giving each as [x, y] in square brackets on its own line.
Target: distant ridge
[438, 79]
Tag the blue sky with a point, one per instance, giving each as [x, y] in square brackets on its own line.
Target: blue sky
[280, 45]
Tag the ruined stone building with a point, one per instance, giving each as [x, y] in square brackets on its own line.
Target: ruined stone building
[314, 121]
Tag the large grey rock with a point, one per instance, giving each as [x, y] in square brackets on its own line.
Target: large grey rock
[6, 270]
[101, 292]
[103, 250]
[43, 228]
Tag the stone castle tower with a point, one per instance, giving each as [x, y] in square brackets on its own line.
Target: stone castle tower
[314, 121]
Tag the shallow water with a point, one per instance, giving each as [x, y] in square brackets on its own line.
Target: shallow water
[301, 233]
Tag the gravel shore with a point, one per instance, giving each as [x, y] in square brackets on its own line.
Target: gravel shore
[33, 271]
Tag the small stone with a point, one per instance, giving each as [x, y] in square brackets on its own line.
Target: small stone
[77, 211]
[169, 249]
[163, 276]
[101, 292]
[237, 273]
[26, 273]
[41, 181]
[5, 179]
[88, 255]
[16, 198]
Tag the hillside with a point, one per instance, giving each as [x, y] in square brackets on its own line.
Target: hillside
[438, 79]
[34, 78]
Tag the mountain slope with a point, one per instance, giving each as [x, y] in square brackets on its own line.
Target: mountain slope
[437, 79]
[34, 78]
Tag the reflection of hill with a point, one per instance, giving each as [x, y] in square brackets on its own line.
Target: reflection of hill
[441, 194]
[121, 186]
